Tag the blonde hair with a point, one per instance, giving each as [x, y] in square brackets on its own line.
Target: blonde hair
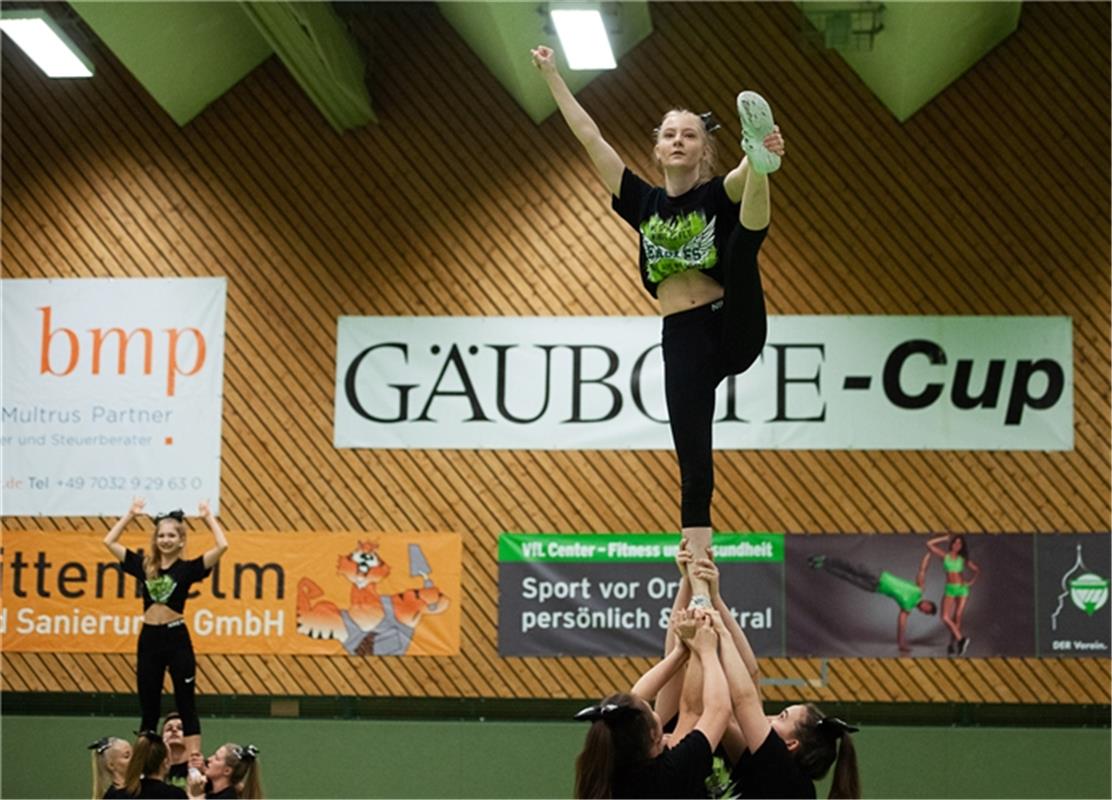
[102, 775]
[709, 162]
[245, 777]
[151, 559]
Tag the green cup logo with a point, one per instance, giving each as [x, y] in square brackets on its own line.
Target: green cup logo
[1089, 592]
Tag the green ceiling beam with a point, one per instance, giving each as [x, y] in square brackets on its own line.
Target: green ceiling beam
[322, 56]
[503, 33]
[185, 54]
[923, 46]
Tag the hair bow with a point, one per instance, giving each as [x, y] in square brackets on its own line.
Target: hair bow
[605, 712]
[100, 745]
[178, 514]
[835, 727]
[150, 736]
[710, 124]
[248, 753]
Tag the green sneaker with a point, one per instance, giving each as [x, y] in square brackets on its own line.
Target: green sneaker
[756, 124]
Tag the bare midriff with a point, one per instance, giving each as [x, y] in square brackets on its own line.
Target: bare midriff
[686, 290]
[159, 614]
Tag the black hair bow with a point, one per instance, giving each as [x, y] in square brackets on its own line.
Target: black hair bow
[248, 753]
[835, 728]
[100, 745]
[179, 515]
[150, 736]
[710, 124]
[605, 711]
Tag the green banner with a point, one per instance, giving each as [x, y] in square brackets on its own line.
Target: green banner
[564, 548]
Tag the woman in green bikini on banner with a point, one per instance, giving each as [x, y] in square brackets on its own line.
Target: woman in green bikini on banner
[955, 560]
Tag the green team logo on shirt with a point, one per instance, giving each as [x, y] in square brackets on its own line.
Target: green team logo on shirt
[678, 244]
[161, 588]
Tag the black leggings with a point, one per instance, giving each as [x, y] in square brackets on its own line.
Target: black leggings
[859, 576]
[701, 347]
[162, 646]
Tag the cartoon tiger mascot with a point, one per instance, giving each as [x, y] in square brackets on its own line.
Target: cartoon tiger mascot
[372, 624]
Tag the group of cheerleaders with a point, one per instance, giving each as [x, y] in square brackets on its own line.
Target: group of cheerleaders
[169, 763]
[699, 237]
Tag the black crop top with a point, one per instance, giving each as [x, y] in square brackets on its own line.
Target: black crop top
[172, 585]
[679, 233]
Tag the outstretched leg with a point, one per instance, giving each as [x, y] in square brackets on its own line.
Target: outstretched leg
[859, 576]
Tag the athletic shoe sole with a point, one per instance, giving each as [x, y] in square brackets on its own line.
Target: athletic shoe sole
[756, 123]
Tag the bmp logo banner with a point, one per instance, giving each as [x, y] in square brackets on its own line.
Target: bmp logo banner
[575, 383]
[112, 388]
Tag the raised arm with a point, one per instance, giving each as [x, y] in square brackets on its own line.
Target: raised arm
[668, 699]
[707, 570]
[608, 163]
[716, 699]
[935, 546]
[649, 684]
[213, 554]
[921, 578]
[110, 541]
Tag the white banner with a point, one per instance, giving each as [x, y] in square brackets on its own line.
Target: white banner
[112, 389]
[576, 383]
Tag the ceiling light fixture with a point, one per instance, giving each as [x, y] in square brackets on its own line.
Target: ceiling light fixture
[43, 41]
[583, 38]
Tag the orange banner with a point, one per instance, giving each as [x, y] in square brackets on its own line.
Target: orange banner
[359, 593]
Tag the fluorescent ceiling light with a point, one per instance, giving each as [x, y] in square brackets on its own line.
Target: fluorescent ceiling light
[45, 44]
[583, 38]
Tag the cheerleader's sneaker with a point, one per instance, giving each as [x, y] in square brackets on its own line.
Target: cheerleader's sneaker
[756, 123]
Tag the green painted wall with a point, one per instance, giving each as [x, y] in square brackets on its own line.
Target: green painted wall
[186, 54]
[45, 757]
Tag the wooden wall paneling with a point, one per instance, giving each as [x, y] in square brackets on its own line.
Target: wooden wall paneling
[1079, 69]
[340, 685]
[47, 210]
[1017, 679]
[465, 184]
[284, 679]
[231, 337]
[10, 679]
[862, 688]
[312, 238]
[54, 677]
[971, 689]
[299, 678]
[82, 667]
[118, 668]
[838, 163]
[228, 668]
[928, 690]
[879, 673]
[210, 677]
[1094, 688]
[321, 685]
[994, 679]
[1099, 672]
[1048, 673]
[350, 673]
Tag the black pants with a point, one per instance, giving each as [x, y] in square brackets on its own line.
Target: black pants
[859, 576]
[701, 347]
[162, 647]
